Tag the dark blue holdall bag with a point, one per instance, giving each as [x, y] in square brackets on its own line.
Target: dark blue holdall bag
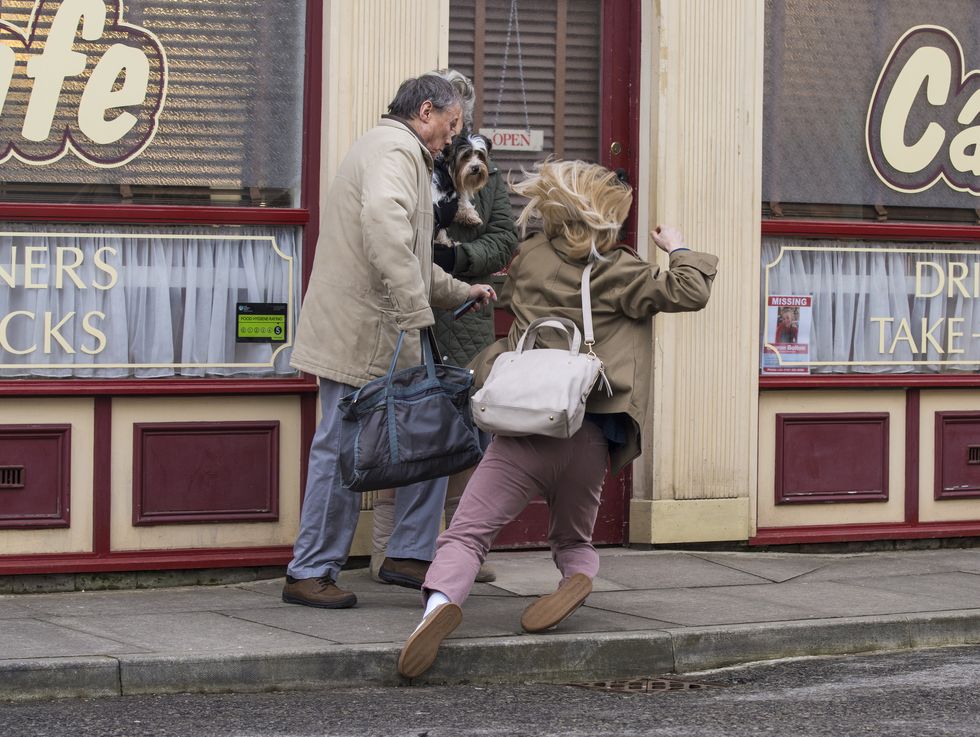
[408, 426]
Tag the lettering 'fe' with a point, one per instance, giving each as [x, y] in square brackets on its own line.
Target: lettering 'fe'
[115, 114]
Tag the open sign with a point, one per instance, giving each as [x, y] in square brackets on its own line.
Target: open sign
[514, 139]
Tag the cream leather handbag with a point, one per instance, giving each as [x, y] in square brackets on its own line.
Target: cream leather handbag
[542, 391]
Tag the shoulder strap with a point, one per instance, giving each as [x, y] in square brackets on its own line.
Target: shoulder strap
[587, 307]
[587, 326]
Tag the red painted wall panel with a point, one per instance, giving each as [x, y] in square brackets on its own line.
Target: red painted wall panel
[831, 458]
[205, 472]
[37, 484]
[957, 455]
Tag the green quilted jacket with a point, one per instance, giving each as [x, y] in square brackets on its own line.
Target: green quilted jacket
[482, 250]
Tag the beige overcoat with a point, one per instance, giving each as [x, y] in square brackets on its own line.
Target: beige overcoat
[373, 274]
[626, 293]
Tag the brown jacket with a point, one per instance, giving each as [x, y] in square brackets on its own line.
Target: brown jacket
[373, 274]
[626, 293]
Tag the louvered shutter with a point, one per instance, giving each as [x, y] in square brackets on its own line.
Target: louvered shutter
[560, 49]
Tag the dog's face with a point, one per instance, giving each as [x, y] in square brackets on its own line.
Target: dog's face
[467, 158]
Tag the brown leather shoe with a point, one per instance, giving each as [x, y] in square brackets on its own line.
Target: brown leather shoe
[320, 592]
[406, 572]
[549, 610]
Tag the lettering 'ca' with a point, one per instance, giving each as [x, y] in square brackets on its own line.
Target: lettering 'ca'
[78, 78]
[922, 121]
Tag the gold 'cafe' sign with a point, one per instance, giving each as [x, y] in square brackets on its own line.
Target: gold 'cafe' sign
[925, 79]
[79, 78]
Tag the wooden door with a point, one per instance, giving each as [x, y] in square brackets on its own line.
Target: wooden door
[566, 71]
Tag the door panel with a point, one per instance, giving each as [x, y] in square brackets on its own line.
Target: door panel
[565, 68]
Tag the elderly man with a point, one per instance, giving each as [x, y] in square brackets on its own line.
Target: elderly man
[372, 278]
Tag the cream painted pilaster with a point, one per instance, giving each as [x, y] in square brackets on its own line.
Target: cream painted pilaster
[705, 111]
[369, 48]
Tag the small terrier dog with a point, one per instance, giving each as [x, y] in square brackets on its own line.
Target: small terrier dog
[458, 174]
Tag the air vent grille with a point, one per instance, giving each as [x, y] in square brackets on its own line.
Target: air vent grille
[11, 477]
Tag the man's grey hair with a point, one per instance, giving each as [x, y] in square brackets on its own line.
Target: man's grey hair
[467, 93]
[413, 92]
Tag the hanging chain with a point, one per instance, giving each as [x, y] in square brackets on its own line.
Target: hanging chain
[513, 24]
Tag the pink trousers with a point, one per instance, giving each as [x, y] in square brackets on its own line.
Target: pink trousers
[568, 473]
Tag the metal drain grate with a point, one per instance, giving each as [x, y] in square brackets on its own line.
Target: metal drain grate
[648, 685]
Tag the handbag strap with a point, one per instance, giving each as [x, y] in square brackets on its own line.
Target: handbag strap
[530, 336]
[587, 325]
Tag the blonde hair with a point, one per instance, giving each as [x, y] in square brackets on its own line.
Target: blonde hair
[586, 204]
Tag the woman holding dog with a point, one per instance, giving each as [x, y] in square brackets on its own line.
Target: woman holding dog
[477, 252]
[582, 208]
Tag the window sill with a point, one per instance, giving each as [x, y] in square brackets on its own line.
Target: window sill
[155, 214]
[179, 386]
[867, 381]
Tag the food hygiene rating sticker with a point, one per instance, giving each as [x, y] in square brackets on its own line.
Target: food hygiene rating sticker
[261, 322]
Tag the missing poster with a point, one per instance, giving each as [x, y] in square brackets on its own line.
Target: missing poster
[787, 340]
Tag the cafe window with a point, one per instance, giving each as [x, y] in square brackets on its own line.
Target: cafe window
[179, 103]
[146, 302]
[871, 188]
[836, 306]
[114, 109]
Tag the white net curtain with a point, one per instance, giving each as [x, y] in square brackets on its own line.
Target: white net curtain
[854, 289]
[141, 301]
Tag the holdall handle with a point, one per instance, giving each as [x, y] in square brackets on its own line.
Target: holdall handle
[428, 341]
[567, 326]
[394, 358]
[429, 348]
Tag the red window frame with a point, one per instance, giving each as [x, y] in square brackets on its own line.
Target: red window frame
[862, 230]
[910, 527]
[306, 216]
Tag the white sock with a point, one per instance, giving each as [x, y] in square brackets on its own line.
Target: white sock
[436, 599]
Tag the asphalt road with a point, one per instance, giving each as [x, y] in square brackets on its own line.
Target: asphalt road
[914, 694]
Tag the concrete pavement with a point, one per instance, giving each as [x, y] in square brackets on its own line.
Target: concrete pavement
[651, 612]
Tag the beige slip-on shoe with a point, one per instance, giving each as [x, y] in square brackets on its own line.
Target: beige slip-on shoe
[549, 610]
[420, 650]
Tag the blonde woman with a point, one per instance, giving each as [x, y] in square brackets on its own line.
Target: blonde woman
[582, 208]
